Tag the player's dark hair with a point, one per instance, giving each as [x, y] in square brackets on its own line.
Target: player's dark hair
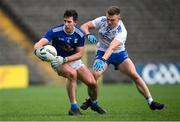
[71, 13]
[113, 10]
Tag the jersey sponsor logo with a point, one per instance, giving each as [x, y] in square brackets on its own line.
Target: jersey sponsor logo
[75, 40]
[113, 32]
[66, 47]
[71, 40]
[106, 36]
[159, 73]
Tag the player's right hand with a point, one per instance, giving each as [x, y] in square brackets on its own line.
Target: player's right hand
[99, 65]
[91, 38]
[54, 64]
[57, 62]
[60, 59]
[40, 54]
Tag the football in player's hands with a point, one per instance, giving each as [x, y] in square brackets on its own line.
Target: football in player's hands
[46, 53]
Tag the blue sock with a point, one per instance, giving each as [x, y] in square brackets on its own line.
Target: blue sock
[74, 106]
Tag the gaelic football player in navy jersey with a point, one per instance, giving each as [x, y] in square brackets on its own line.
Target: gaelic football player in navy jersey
[69, 39]
[111, 50]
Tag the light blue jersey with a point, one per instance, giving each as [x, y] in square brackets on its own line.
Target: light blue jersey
[65, 43]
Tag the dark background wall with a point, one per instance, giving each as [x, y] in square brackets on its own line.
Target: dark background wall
[153, 25]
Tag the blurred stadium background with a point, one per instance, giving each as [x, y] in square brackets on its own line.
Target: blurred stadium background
[153, 39]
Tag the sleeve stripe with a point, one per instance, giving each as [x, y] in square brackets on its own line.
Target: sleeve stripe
[57, 29]
[79, 32]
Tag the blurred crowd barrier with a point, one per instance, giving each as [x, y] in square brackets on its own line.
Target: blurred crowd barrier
[14, 76]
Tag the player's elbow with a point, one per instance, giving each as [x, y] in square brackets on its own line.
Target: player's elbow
[84, 27]
[114, 48]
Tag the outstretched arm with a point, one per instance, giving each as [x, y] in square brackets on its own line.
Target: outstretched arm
[90, 37]
[99, 64]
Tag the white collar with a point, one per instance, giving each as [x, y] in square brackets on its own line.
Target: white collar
[67, 32]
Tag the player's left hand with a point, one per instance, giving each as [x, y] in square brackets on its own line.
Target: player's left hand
[99, 65]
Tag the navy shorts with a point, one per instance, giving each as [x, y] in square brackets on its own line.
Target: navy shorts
[115, 58]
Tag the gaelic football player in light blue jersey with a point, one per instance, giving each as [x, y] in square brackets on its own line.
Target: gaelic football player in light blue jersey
[68, 39]
[112, 36]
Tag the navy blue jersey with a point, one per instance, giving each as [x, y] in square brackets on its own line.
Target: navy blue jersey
[65, 43]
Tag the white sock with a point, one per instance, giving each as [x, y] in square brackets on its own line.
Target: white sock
[149, 100]
[74, 102]
[94, 101]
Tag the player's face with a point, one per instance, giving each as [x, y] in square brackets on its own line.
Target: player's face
[112, 20]
[69, 24]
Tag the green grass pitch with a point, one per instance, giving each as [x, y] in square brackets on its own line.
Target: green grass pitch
[122, 102]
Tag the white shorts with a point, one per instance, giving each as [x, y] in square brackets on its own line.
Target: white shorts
[76, 64]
